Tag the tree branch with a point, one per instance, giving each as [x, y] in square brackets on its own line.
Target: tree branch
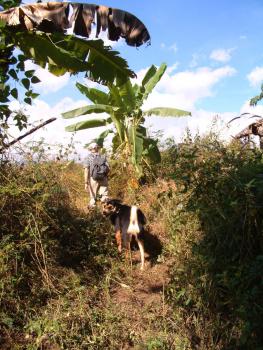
[29, 132]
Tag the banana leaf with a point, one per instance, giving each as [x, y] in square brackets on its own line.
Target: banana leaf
[166, 112]
[94, 95]
[87, 110]
[88, 124]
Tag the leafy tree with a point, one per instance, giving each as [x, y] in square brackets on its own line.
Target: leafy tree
[123, 104]
[39, 32]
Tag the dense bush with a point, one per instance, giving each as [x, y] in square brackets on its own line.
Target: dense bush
[49, 249]
[217, 244]
[60, 272]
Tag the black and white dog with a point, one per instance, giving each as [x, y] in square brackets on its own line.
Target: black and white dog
[128, 222]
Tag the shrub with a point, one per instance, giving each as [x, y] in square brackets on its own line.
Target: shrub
[216, 285]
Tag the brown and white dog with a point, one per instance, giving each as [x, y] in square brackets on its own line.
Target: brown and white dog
[128, 222]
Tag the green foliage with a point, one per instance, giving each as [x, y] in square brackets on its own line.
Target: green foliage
[123, 103]
[6, 4]
[12, 74]
[60, 53]
[254, 101]
[218, 225]
[64, 53]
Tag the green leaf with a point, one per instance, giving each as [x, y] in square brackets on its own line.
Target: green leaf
[26, 83]
[94, 95]
[101, 138]
[150, 73]
[28, 100]
[87, 110]
[88, 124]
[35, 80]
[22, 58]
[34, 95]
[108, 62]
[166, 112]
[115, 97]
[13, 74]
[14, 93]
[153, 80]
[72, 54]
[151, 150]
[136, 140]
[29, 73]
[128, 96]
[21, 65]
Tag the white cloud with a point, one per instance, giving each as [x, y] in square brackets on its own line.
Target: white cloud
[54, 133]
[49, 82]
[221, 55]
[246, 108]
[255, 77]
[172, 68]
[194, 61]
[184, 89]
[203, 121]
[172, 47]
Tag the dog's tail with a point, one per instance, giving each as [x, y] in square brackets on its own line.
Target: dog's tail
[134, 227]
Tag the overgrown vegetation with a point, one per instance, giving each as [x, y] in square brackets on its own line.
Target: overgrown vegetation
[64, 287]
[216, 241]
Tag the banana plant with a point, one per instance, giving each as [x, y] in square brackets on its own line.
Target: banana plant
[41, 31]
[123, 105]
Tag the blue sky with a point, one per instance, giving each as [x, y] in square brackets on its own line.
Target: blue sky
[214, 55]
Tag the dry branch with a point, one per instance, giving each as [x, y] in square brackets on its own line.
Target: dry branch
[29, 132]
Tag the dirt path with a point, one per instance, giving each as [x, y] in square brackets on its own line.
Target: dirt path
[140, 299]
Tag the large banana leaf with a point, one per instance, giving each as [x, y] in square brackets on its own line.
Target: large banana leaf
[149, 74]
[143, 146]
[151, 78]
[88, 124]
[128, 96]
[118, 122]
[87, 110]
[115, 97]
[136, 139]
[70, 54]
[166, 112]
[94, 95]
[59, 16]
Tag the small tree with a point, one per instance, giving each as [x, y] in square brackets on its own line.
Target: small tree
[124, 104]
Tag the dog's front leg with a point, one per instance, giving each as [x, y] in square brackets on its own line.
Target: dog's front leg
[118, 235]
[118, 240]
